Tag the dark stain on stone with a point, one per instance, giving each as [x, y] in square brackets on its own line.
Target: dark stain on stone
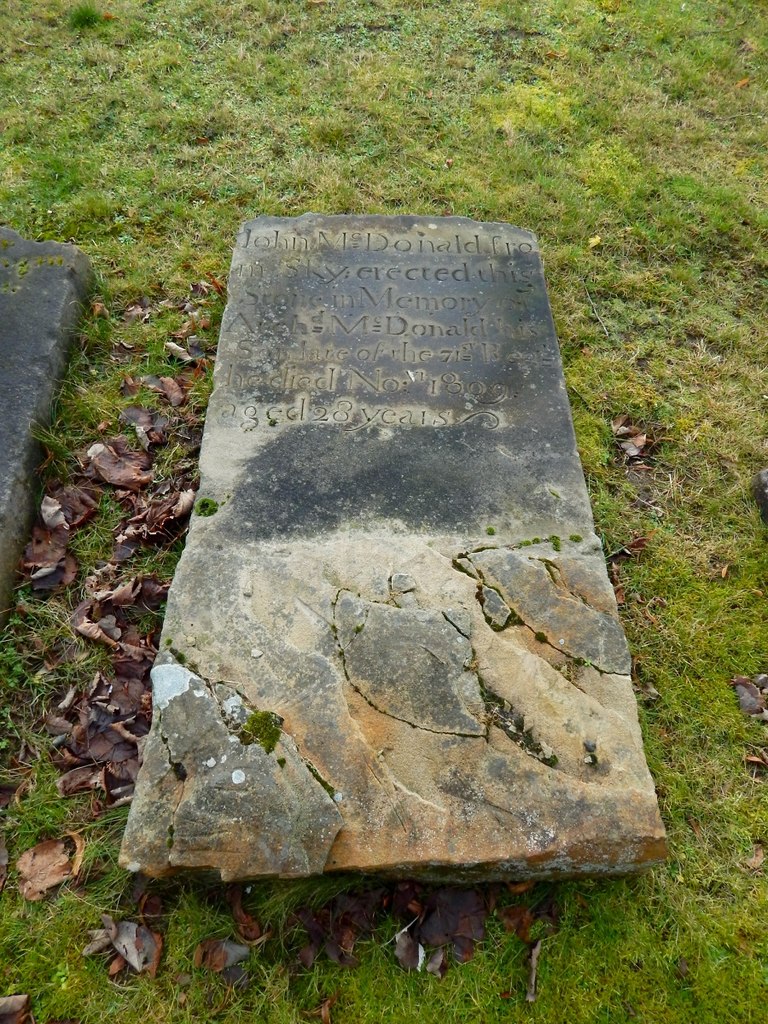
[311, 480]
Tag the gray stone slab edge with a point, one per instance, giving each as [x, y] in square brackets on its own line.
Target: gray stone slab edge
[42, 289]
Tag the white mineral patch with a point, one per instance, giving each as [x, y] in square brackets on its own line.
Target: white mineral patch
[133, 866]
[211, 762]
[232, 704]
[169, 681]
[256, 653]
[238, 776]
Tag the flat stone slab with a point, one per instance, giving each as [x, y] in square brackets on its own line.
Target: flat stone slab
[42, 287]
[391, 644]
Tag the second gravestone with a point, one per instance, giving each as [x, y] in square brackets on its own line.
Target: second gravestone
[391, 644]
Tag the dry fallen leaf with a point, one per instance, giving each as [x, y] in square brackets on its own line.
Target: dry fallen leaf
[408, 952]
[219, 954]
[3, 863]
[755, 862]
[115, 463]
[594, 241]
[44, 867]
[517, 920]
[751, 699]
[139, 947]
[530, 995]
[248, 928]
[14, 1009]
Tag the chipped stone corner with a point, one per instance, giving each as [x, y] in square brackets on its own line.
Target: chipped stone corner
[223, 788]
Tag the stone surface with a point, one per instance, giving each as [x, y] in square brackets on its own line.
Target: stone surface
[402, 568]
[42, 286]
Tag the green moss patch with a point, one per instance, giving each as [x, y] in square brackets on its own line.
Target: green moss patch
[206, 507]
[262, 727]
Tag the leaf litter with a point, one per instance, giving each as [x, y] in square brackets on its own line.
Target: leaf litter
[49, 864]
[751, 694]
[14, 1009]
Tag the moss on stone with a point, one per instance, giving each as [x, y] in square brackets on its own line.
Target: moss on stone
[206, 507]
[262, 727]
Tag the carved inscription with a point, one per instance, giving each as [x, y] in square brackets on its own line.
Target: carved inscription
[400, 328]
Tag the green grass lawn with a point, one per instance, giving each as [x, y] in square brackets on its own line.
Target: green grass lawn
[632, 138]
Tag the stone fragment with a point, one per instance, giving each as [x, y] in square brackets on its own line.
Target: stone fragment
[496, 611]
[254, 810]
[429, 688]
[534, 583]
[42, 287]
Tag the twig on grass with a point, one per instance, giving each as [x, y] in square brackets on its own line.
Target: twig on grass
[530, 995]
[594, 310]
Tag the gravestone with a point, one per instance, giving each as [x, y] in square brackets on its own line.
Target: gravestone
[42, 286]
[391, 644]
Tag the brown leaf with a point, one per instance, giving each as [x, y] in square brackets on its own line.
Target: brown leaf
[139, 947]
[150, 908]
[43, 867]
[115, 463]
[409, 953]
[751, 700]
[77, 503]
[323, 1011]
[742, 83]
[10, 792]
[248, 927]
[454, 915]
[755, 862]
[87, 627]
[118, 964]
[46, 548]
[80, 780]
[77, 860]
[518, 888]
[517, 920]
[220, 289]
[438, 963]
[138, 311]
[179, 352]
[219, 954]
[51, 513]
[3, 863]
[59, 575]
[173, 391]
[169, 388]
[100, 942]
[14, 1009]
[149, 426]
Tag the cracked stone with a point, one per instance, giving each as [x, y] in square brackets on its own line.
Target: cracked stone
[497, 613]
[411, 664]
[365, 488]
[268, 819]
[541, 599]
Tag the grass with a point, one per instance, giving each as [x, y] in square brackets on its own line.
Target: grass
[631, 137]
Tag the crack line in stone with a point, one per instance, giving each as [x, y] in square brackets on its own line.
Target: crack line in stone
[417, 796]
[388, 714]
